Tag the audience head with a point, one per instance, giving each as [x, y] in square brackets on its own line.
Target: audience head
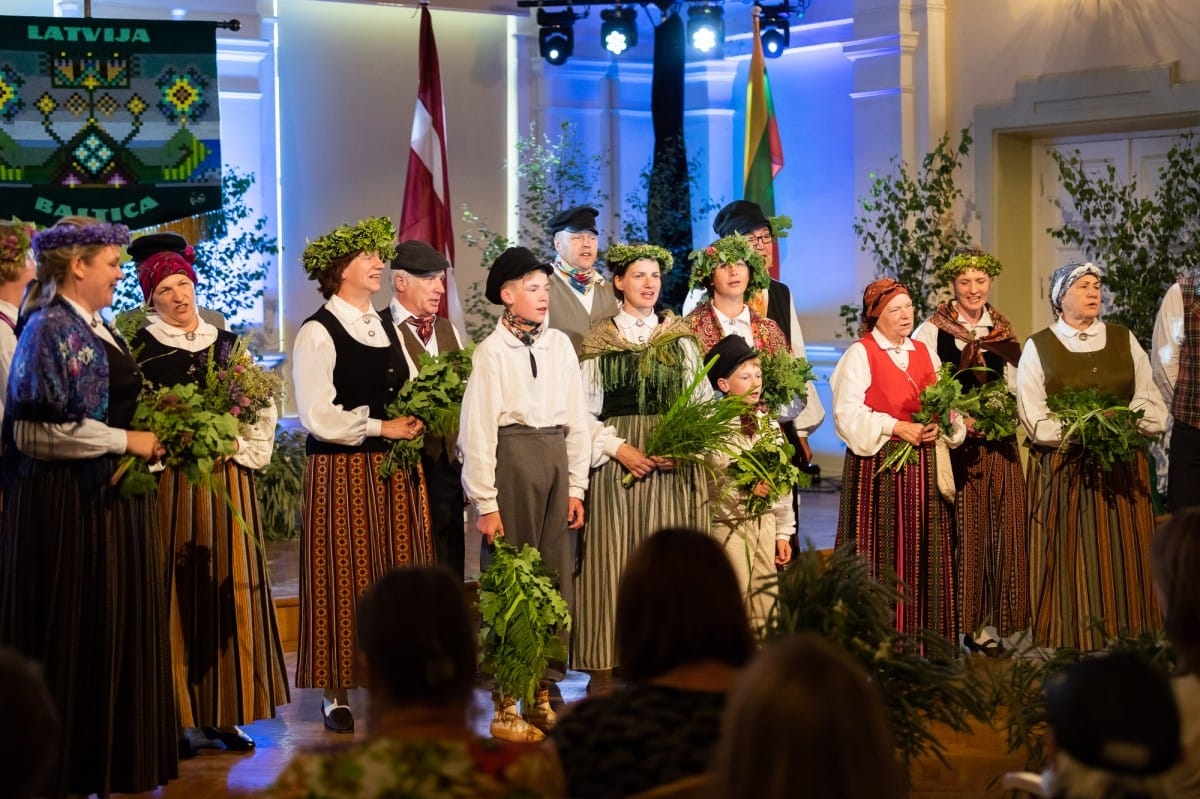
[804, 720]
[26, 748]
[327, 257]
[416, 640]
[1175, 558]
[679, 603]
[1114, 728]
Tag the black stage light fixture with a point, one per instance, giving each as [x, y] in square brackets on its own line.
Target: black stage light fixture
[775, 30]
[556, 35]
[618, 29]
[706, 29]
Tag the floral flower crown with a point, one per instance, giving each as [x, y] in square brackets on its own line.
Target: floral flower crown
[72, 235]
[623, 254]
[16, 242]
[375, 234]
[969, 258]
[729, 250]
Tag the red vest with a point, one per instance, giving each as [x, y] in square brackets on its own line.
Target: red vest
[892, 391]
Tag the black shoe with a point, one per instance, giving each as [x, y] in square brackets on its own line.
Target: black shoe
[186, 750]
[338, 718]
[234, 739]
[812, 470]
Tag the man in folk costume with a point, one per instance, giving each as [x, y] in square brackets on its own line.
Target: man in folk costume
[775, 303]
[1175, 358]
[419, 284]
[579, 295]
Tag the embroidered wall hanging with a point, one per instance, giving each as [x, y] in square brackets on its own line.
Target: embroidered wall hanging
[116, 119]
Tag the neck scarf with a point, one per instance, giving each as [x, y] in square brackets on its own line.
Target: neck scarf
[1000, 338]
[579, 280]
[423, 325]
[525, 331]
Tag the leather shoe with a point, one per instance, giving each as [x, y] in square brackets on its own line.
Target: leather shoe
[338, 717]
[186, 750]
[233, 738]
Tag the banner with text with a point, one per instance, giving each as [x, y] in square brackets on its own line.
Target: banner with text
[116, 119]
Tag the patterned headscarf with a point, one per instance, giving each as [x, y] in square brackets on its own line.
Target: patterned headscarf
[162, 265]
[875, 298]
[1064, 277]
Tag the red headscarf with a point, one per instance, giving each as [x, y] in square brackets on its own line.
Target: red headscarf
[875, 298]
[158, 267]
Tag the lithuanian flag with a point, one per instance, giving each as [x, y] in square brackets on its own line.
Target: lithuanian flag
[764, 153]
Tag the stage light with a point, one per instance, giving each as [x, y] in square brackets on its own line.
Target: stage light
[706, 29]
[774, 30]
[556, 35]
[618, 29]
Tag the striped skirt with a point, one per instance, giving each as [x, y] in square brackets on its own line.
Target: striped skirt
[993, 549]
[1089, 550]
[356, 528]
[618, 519]
[899, 522]
[225, 650]
[83, 591]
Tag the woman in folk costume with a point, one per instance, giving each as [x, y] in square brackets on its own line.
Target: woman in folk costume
[896, 519]
[1089, 529]
[16, 270]
[225, 645]
[83, 586]
[732, 272]
[635, 365]
[989, 504]
[348, 365]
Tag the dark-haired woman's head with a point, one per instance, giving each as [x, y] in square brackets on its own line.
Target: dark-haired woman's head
[679, 603]
[416, 641]
[1175, 559]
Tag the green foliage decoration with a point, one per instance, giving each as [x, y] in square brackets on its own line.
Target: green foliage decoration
[434, 395]
[784, 377]
[521, 614]
[1101, 428]
[280, 487]
[1143, 241]
[908, 226]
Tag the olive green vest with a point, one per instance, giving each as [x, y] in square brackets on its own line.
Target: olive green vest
[1109, 369]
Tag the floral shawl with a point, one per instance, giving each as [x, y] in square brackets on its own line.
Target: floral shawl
[60, 370]
[1000, 340]
[707, 329]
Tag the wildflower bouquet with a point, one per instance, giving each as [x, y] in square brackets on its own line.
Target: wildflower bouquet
[1104, 430]
[692, 427]
[938, 402]
[435, 397]
[194, 437]
[994, 409]
[239, 386]
[784, 377]
[768, 461]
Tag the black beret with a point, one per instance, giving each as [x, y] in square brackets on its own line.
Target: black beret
[740, 216]
[143, 247]
[574, 220]
[513, 263]
[729, 352]
[419, 258]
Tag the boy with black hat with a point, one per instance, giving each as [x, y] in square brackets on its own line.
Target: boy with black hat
[756, 545]
[524, 436]
[580, 295]
[418, 284]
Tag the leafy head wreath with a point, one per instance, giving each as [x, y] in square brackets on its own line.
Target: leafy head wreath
[621, 254]
[16, 241]
[729, 250]
[965, 258]
[375, 234]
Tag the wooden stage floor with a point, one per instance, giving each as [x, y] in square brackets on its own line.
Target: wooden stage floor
[976, 761]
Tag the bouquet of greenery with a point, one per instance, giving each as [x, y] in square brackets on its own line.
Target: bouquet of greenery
[937, 402]
[521, 615]
[194, 437]
[784, 377]
[435, 397]
[768, 461]
[692, 427]
[240, 387]
[1105, 431]
[994, 409]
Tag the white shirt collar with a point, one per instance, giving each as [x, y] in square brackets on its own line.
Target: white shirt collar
[203, 330]
[984, 321]
[635, 328]
[743, 317]
[399, 312]
[1066, 331]
[348, 315]
[884, 344]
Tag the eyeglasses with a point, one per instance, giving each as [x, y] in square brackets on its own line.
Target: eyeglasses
[762, 239]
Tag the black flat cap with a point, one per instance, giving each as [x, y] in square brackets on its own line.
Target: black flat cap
[574, 220]
[419, 258]
[740, 216]
[513, 263]
[729, 352]
[143, 247]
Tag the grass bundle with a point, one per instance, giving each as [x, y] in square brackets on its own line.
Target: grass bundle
[937, 402]
[1104, 430]
[784, 378]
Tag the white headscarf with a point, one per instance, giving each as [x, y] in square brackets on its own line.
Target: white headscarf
[1064, 277]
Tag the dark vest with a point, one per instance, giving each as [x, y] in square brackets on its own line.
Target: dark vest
[163, 365]
[948, 352]
[779, 308]
[443, 334]
[1109, 369]
[568, 315]
[362, 375]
